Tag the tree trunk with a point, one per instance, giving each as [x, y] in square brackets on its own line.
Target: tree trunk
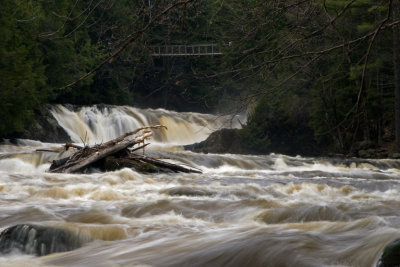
[396, 68]
[171, 166]
[97, 153]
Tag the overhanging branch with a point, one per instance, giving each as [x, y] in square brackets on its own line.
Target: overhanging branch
[131, 40]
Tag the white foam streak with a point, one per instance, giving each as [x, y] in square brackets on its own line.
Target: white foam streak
[16, 165]
[18, 260]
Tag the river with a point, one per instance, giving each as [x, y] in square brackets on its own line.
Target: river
[243, 210]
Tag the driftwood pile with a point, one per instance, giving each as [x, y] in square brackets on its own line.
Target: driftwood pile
[115, 154]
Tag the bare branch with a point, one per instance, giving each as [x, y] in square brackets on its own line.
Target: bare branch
[135, 36]
[369, 51]
[122, 137]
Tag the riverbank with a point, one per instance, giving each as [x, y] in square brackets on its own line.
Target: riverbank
[231, 141]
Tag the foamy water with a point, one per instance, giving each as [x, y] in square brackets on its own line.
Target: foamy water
[94, 125]
[244, 210]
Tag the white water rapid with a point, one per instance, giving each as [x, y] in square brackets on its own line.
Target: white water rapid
[94, 125]
[243, 210]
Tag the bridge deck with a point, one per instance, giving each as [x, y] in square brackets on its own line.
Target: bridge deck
[185, 50]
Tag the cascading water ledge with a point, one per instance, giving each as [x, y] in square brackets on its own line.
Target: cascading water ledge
[97, 125]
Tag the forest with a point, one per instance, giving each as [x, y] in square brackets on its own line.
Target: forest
[315, 76]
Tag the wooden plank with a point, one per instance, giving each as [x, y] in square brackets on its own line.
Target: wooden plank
[185, 50]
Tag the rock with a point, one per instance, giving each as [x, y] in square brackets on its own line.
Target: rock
[373, 153]
[221, 141]
[382, 154]
[45, 128]
[366, 145]
[231, 141]
[38, 240]
[391, 255]
[395, 156]
[188, 191]
[366, 154]
[337, 155]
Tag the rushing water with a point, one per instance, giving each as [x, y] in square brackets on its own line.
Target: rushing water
[244, 210]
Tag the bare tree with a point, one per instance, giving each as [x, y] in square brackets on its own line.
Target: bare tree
[396, 69]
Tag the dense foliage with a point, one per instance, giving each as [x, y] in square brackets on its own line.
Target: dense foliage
[322, 72]
[315, 74]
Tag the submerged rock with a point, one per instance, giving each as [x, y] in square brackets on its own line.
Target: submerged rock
[391, 255]
[188, 191]
[38, 240]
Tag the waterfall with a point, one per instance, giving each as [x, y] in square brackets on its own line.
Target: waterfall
[96, 125]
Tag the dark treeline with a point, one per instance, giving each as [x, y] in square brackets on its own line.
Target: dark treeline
[48, 45]
[327, 71]
[318, 76]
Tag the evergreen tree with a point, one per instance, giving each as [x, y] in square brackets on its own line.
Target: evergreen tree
[22, 73]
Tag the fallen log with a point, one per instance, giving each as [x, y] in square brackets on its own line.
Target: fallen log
[58, 163]
[47, 150]
[68, 145]
[145, 164]
[112, 163]
[117, 151]
[90, 155]
[122, 137]
[106, 152]
[164, 164]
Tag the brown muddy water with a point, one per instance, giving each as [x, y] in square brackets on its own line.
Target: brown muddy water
[244, 210]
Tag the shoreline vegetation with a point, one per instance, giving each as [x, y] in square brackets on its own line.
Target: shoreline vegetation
[230, 141]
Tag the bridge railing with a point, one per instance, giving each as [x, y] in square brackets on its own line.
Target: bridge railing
[185, 50]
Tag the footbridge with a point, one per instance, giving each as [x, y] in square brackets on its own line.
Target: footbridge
[185, 50]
